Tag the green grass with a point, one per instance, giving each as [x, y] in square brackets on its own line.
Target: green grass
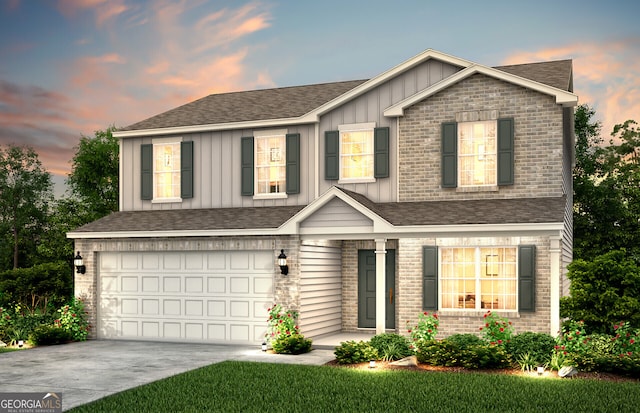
[8, 349]
[260, 387]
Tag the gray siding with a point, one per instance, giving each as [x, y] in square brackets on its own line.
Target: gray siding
[217, 172]
[320, 290]
[369, 107]
[568, 161]
[336, 213]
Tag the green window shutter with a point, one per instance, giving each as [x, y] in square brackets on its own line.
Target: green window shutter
[246, 155]
[505, 151]
[331, 154]
[430, 278]
[146, 168]
[526, 278]
[186, 170]
[381, 152]
[293, 163]
[449, 155]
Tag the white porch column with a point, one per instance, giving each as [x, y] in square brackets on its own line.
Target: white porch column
[381, 275]
[554, 295]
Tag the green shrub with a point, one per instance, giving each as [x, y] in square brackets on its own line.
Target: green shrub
[465, 340]
[426, 328]
[47, 335]
[291, 344]
[449, 354]
[538, 346]
[603, 291]
[391, 346]
[38, 289]
[352, 352]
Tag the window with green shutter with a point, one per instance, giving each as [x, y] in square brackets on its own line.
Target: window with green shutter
[166, 167]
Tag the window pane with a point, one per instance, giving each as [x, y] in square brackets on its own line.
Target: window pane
[478, 278]
[356, 154]
[270, 164]
[166, 170]
[477, 153]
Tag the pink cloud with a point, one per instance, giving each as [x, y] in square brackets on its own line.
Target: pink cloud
[606, 77]
[104, 10]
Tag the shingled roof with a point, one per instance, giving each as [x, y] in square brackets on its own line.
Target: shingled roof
[484, 211]
[296, 101]
[264, 104]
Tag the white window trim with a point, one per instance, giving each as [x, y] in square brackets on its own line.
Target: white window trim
[162, 141]
[458, 311]
[353, 127]
[267, 134]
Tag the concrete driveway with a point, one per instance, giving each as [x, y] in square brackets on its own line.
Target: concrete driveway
[87, 371]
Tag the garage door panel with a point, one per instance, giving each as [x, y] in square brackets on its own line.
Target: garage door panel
[193, 284]
[199, 296]
[171, 284]
[217, 285]
[129, 284]
[216, 308]
[239, 285]
[151, 307]
[150, 284]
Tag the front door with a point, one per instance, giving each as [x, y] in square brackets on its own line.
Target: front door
[367, 289]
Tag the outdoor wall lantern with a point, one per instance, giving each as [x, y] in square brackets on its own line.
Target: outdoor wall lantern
[77, 261]
[282, 262]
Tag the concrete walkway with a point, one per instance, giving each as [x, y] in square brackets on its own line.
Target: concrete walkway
[87, 371]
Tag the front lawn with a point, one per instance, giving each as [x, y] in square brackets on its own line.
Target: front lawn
[261, 387]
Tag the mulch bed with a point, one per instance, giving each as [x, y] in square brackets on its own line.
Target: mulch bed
[382, 365]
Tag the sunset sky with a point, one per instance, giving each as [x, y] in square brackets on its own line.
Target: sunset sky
[71, 67]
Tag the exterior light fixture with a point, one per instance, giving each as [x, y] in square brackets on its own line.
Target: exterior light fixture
[77, 261]
[540, 370]
[282, 262]
[264, 346]
[20, 343]
[372, 364]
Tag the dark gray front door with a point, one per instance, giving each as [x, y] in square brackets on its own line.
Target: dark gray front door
[367, 289]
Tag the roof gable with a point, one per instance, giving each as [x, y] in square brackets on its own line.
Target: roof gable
[562, 97]
[305, 104]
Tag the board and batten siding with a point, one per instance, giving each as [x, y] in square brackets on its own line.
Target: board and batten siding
[216, 172]
[369, 107]
[336, 213]
[320, 290]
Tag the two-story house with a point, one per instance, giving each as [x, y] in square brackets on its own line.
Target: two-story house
[440, 185]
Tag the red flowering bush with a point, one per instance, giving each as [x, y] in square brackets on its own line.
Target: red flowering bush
[626, 340]
[283, 332]
[426, 329]
[73, 319]
[497, 330]
[574, 339]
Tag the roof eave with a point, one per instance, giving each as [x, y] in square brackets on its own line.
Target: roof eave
[181, 130]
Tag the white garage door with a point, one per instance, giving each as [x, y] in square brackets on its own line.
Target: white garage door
[185, 296]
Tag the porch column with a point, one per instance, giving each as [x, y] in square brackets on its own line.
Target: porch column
[381, 271]
[554, 295]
